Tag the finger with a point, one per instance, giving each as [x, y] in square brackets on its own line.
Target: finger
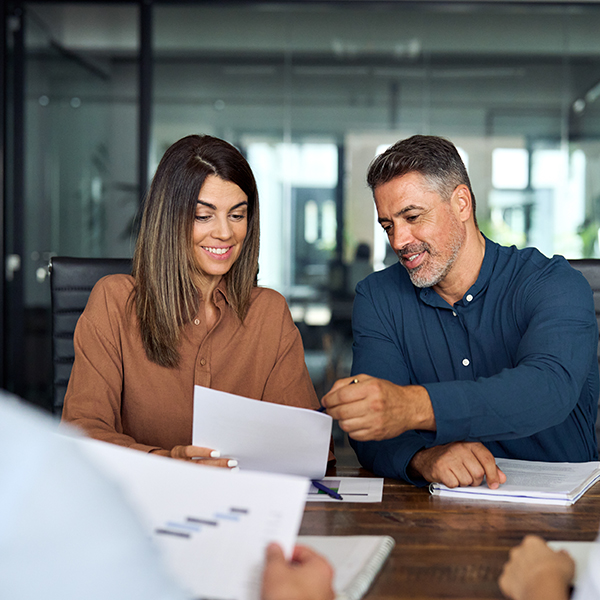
[355, 425]
[345, 391]
[340, 383]
[462, 475]
[448, 478]
[274, 553]
[227, 463]
[532, 540]
[501, 475]
[488, 462]
[355, 409]
[303, 554]
[194, 452]
[362, 435]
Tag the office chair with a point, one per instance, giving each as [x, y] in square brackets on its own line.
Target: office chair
[590, 269]
[71, 281]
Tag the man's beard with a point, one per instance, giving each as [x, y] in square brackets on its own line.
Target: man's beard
[434, 268]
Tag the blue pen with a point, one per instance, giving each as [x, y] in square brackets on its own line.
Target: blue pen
[324, 488]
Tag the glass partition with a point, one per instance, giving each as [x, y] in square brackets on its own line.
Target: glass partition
[310, 92]
[295, 85]
[80, 138]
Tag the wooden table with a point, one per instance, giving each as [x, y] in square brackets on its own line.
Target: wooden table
[447, 548]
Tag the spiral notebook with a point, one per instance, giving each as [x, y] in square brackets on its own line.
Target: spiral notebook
[356, 560]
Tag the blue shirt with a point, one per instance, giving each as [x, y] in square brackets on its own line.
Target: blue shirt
[513, 364]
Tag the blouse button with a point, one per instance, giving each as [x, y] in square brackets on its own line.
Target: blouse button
[197, 322]
[466, 362]
[202, 361]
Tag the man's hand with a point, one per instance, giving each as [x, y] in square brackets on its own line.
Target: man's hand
[534, 572]
[308, 577]
[458, 464]
[368, 408]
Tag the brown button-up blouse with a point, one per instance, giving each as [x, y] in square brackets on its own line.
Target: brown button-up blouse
[118, 395]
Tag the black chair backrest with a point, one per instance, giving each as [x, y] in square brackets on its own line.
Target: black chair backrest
[71, 281]
[590, 269]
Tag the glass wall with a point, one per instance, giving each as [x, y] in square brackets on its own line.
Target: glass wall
[80, 194]
[311, 92]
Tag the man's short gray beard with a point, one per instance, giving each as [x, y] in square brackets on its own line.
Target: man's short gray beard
[435, 278]
[443, 270]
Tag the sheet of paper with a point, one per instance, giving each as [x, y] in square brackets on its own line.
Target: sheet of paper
[262, 436]
[212, 525]
[351, 489]
[580, 552]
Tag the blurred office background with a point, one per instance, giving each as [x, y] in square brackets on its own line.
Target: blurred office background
[94, 92]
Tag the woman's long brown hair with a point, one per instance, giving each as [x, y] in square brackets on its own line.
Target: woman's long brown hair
[164, 264]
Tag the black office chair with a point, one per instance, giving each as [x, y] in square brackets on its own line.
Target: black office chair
[71, 281]
[590, 269]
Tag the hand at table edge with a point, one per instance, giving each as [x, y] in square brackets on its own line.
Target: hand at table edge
[457, 464]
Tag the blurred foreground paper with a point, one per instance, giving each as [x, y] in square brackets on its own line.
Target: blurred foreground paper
[212, 525]
[262, 436]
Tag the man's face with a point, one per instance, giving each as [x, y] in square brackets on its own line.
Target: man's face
[424, 230]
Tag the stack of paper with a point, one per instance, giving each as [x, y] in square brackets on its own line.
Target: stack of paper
[532, 481]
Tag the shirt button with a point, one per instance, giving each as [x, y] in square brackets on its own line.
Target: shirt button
[469, 298]
[196, 321]
[202, 361]
[453, 313]
[466, 362]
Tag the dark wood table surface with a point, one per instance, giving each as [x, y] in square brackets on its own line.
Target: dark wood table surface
[447, 548]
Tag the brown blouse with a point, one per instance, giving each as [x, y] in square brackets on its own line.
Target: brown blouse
[117, 395]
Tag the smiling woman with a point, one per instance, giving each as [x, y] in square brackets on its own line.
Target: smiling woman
[190, 314]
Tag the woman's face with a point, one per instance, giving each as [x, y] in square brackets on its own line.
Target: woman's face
[220, 225]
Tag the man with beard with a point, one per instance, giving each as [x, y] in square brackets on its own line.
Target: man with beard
[466, 350]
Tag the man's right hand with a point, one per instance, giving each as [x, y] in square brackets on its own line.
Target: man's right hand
[458, 464]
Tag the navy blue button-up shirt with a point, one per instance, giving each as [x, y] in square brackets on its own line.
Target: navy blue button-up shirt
[513, 364]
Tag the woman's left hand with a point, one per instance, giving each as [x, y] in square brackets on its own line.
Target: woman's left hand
[203, 456]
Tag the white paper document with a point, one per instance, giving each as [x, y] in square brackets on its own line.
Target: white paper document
[262, 436]
[580, 552]
[533, 482]
[212, 525]
[351, 489]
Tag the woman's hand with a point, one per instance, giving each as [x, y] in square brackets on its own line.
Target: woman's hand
[535, 571]
[203, 456]
[307, 577]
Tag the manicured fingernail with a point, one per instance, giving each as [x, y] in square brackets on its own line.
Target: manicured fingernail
[215, 454]
[232, 463]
